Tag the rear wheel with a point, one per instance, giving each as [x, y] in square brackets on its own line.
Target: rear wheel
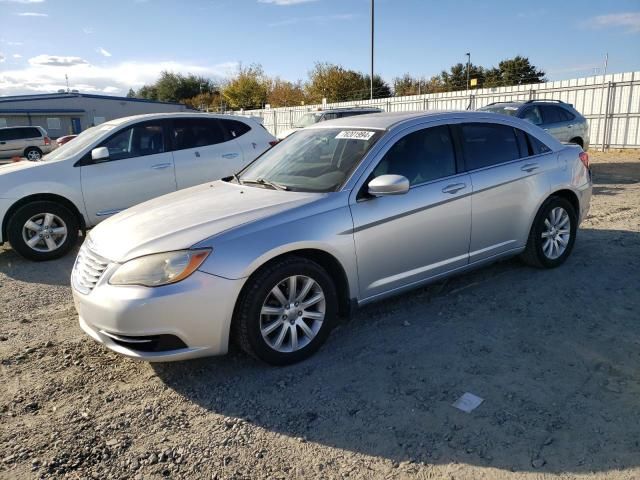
[286, 311]
[33, 154]
[552, 235]
[42, 230]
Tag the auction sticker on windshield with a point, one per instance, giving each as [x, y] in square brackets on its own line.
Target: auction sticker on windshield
[356, 134]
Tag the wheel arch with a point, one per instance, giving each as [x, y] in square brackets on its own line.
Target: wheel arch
[327, 261]
[570, 196]
[578, 141]
[52, 197]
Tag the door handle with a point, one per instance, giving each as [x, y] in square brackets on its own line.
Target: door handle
[529, 167]
[160, 166]
[230, 155]
[3, 143]
[453, 188]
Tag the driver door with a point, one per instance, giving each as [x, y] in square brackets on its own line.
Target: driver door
[139, 168]
[404, 239]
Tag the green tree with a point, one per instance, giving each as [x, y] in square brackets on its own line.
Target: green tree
[519, 71]
[131, 93]
[248, 89]
[176, 87]
[148, 92]
[338, 84]
[456, 77]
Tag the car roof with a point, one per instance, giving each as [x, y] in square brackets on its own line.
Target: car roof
[388, 120]
[162, 116]
[350, 109]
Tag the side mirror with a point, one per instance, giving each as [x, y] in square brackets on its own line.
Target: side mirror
[100, 154]
[388, 185]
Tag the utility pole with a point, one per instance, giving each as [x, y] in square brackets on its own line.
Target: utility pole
[606, 62]
[468, 67]
[66, 79]
[372, 32]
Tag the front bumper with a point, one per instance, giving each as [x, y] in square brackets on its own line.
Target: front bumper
[197, 310]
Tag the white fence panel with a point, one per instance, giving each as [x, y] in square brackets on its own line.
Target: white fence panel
[610, 103]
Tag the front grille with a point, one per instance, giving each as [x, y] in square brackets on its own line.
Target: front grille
[87, 270]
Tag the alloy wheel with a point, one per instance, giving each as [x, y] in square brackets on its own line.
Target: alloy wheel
[292, 314]
[44, 232]
[556, 233]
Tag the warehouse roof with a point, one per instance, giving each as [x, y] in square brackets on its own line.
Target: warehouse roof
[52, 96]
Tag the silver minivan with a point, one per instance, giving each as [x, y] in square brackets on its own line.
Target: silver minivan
[31, 142]
[342, 213]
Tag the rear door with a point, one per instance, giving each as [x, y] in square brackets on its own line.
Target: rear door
[507, 184]
[202, 151]
[557, 121]
[252, 139]
[139, 168]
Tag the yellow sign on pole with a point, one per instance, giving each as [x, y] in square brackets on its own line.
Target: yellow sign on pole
[474, 82]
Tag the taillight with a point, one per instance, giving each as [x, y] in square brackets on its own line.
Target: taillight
[47, 141]
[273, 143]
[584, 158]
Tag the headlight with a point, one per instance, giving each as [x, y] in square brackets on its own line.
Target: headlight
[159, 269]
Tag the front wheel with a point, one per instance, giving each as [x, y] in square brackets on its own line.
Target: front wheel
[286, 311]
[552, 235]
[42, 230]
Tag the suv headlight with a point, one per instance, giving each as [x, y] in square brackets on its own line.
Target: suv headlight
[160, 268]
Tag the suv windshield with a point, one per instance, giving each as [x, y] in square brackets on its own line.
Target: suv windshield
[308, 119]
[79, 143]
[317, 160]
[503, 109]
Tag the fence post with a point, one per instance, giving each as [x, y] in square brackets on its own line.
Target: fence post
[606, 116]
[425, 103]
[275, 123]
[532, 94]
[290, 118]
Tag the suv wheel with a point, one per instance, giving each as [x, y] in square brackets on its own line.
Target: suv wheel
[286, 311]
[552, 235]
[42, 230]
[33, 154]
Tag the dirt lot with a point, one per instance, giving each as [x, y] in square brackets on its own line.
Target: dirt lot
[555, 354]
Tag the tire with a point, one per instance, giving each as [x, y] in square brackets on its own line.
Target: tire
[33, 154]
[257, 297]
[577, 141]
[539, 252]
[37, 214]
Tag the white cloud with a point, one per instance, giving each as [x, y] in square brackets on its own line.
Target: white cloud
[103, 52]
[12, 44]
[116, 79]
[319, 19]
[87, 30]
[629, 20]
[17, 55]
[32, 14]
[22, 1]
[56, 61]
[286, 2]
[2, 58]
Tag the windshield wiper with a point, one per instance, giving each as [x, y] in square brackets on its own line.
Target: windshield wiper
[262, 181]
[236, 178]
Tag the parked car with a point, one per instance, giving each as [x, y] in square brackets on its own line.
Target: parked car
[560, 119]
[312, 118]
[29, 142]
[113, 166]
[338, 215]
[62, 140]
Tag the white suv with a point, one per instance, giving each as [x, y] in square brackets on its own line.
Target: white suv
[108, 168]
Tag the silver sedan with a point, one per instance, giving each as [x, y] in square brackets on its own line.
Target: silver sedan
[337, 215]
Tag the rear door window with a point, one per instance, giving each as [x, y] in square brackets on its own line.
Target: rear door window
[487, 144]
[235, 128]
[195, 132]
[552, 114]
[421, 156]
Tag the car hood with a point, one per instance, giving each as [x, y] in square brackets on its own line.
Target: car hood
[181, 219]
[16, 166]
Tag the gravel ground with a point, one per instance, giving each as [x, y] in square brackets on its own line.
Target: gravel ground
[554, 354]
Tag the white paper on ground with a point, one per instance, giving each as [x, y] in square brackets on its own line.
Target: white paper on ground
[468, 402]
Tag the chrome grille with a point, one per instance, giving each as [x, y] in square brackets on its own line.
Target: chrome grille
[87, 270]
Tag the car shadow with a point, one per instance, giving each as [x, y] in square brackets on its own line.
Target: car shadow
[624, 173]
[57, 272]
[553, 353]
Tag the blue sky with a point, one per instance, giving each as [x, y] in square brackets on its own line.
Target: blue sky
[110, 46]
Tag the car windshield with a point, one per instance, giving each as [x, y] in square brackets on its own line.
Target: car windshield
[316, 160]
[308, 119]
[79, 143]
[503, 109]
